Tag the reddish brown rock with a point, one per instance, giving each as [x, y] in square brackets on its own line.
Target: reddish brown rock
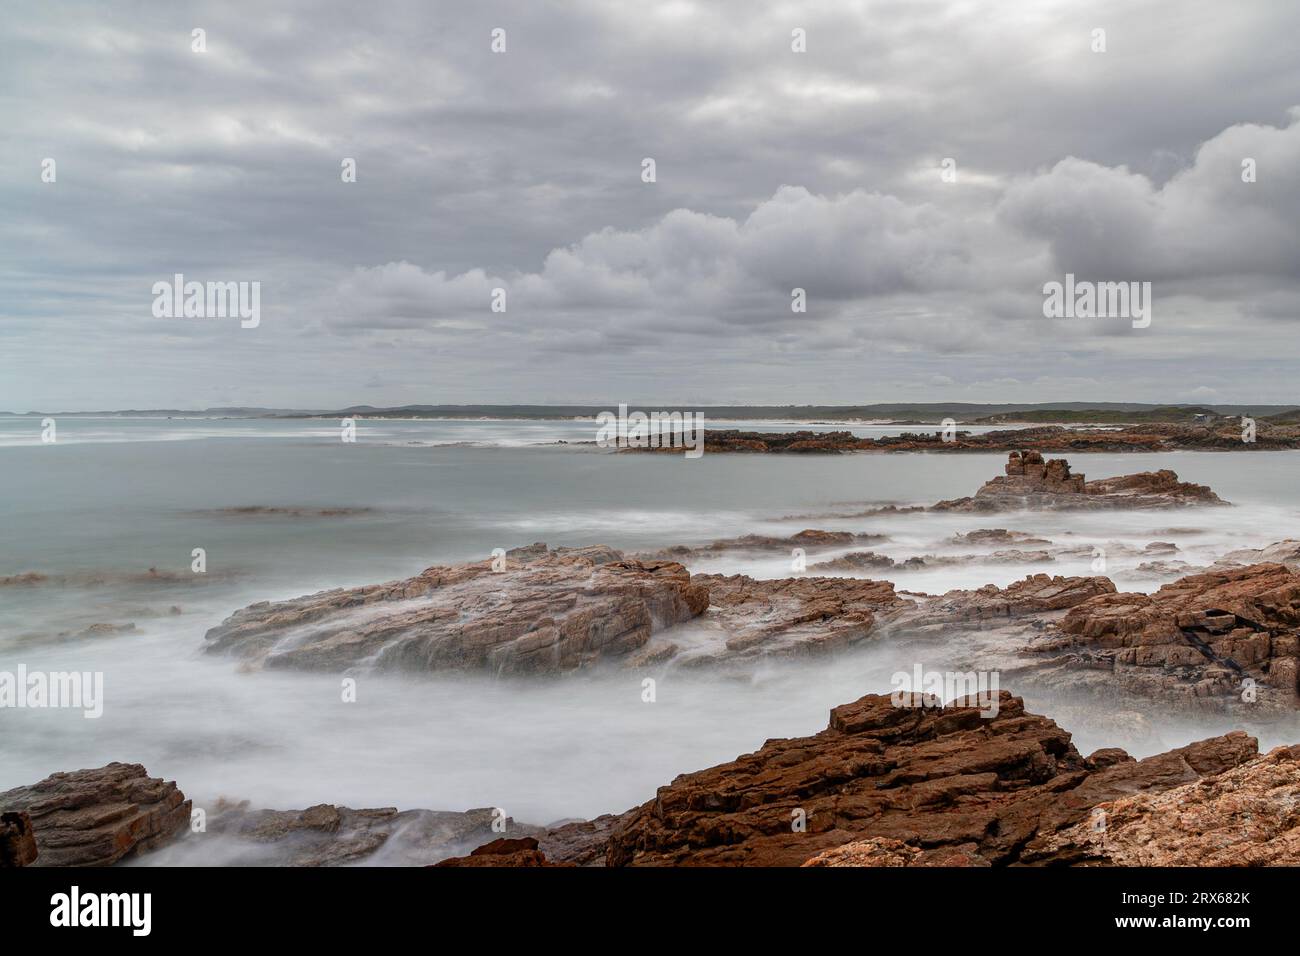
[1036, 594]
[1155, 437]
[504, 852]
[884, 852]
[17, 839]
[97, 817]
[1034, 484]
[933, 778]
[1203, 635]
[1245, 816]
[544, 611]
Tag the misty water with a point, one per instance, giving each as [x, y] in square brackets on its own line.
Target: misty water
[114, 498]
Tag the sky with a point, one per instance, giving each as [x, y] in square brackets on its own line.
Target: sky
[524, 170]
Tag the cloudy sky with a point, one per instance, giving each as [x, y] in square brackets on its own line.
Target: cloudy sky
[522, 170]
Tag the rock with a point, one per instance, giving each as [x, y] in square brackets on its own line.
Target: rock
[328, 835]
[504, 852]
[855, 561]
[1160, 547]
[1033, 484]
[1203, 635]
[1163, 569]
[97, 817]
[880, 851]
[870, 561]
[983, 536]
[580, 842]
[1282, 552]
[274, 511]
[751, 618]
[546, 611]
[1155, 437]
[1244, 816]
[17, 839]
[984, 788]
[1036, 594]
[809, 540]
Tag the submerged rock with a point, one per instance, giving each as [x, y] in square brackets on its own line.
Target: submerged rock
[328, 835]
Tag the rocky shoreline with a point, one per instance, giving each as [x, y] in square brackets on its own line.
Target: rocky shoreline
[890, 782]
[919, 784]
[1050, 438]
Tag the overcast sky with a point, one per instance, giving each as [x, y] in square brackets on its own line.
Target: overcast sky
[522, 170]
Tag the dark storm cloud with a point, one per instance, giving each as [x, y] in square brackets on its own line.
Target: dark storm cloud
[521, 171]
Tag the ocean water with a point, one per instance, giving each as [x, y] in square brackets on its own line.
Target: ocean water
[111, 512]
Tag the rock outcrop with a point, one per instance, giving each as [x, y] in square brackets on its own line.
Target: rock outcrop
[97, 817]
[1204, 635]
[1033, 484]
[538, 611]
[1245, 816]
[987, 790]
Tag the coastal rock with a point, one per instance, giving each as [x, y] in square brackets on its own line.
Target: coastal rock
[1035, 594]
[328, 835]
[855, 561]
[1245, 816]
[810, 540]
[881, 852]
[1034, 484]
[1154, 437]
[934, 778]
[870, 561]
[983, 536]
[504, 852]
[97, 817]
[1203, 635]
[1281, 552]
[543, 611]
[751, 618]
[17, 839]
